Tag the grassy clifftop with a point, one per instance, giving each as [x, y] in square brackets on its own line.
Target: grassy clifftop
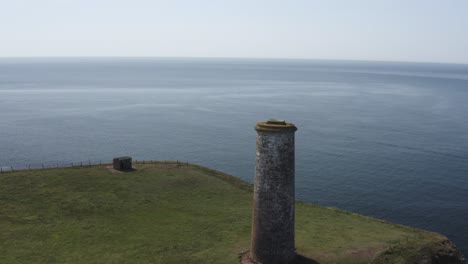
[174, 213]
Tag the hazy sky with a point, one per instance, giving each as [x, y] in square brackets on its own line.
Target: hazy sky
[396, 30]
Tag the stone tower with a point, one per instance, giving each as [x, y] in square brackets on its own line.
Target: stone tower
[273, 204]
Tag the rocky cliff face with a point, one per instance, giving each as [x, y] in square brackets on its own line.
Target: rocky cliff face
[439, 252]
[445, 252]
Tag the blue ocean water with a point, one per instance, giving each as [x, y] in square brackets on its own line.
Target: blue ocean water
[389, 140]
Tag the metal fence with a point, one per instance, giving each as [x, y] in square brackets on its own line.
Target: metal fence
[85, 163]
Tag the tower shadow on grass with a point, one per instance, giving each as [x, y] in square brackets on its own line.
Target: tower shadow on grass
[298, 259]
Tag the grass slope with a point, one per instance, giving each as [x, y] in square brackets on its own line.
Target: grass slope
[169, 213]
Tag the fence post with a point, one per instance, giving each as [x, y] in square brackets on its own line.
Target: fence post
[1, 170]
[42, 166]
[100, 162]
[81, 164]
[12, 169]
[29, 167]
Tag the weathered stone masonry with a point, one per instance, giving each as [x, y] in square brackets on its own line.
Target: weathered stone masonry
[273, 207]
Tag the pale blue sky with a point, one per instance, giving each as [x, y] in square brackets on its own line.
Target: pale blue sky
[392, 30]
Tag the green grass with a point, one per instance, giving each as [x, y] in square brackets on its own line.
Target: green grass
[170, 213]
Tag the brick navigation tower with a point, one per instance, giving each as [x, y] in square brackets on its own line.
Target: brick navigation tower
[273, 204]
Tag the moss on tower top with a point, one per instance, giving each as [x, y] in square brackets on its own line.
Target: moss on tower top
[274, 125]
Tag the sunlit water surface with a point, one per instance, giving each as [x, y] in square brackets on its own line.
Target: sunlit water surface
[389, 140]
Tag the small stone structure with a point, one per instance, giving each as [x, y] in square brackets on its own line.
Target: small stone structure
[122, 163]
[272, 238]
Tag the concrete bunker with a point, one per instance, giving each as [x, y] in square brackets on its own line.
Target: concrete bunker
[122, 163]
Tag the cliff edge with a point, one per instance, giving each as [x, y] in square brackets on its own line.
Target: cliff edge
[168, 212]
[442, 251]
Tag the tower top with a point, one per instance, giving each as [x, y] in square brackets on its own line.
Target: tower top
[275, 125]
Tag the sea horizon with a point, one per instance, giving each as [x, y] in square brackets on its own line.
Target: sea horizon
[297, 59]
